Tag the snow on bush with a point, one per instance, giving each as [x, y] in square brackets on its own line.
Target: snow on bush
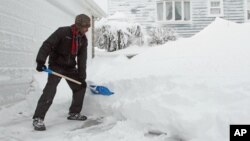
[116, 32]
[161, 35]
[116, 35]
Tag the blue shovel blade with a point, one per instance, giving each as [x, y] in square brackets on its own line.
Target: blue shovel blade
[102, 90]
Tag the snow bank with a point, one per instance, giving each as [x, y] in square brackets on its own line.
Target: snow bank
[221, 51]
[192, 88]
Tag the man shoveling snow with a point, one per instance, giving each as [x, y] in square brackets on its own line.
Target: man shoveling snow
[63, 47]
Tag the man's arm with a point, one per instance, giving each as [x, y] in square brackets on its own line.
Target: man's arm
[47, 47]
[82, 61]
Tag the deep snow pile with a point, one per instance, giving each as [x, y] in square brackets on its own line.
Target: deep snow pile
[191, 89]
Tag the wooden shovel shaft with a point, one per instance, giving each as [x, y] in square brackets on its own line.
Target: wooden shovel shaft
[67, 78]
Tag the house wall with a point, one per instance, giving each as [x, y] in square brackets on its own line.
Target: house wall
[141, 11]
[233, 11]
[144, 12]
[24, 25]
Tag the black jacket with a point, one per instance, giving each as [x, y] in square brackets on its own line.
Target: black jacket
[58, 48]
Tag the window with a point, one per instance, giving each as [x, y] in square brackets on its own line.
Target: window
[160, 11]
[169, 13]
[215, 7]
[174, 11]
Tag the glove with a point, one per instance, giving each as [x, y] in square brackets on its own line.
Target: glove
[84, 84]
[40, 67]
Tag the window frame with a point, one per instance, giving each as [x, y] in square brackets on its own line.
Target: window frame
[221, 8]
[173, 20]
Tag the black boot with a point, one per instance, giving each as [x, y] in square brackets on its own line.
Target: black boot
[76, 116]
[38, 124]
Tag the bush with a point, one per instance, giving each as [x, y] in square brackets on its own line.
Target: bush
[113, 35]
[161, 35]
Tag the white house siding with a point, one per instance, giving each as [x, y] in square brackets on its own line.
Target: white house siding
[146, 14]
[141, 11]
[24, 25]
[234, 10]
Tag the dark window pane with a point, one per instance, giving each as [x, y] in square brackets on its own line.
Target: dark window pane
[169, 9]
[178, 11]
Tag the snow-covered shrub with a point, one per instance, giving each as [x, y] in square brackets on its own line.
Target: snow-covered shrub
[136, 32]
[161, 35]
[104, 37]
[114, 35]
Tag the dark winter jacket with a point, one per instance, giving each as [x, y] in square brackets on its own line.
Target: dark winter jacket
[58, 48]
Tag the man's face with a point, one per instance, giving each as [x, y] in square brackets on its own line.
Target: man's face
[83, 30]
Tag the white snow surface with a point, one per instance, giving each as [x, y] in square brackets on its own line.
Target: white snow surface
[188, 90]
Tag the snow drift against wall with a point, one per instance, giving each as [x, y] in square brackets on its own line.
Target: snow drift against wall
[24, 25]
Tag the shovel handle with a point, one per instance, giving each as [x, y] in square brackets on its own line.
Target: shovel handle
[62, 76]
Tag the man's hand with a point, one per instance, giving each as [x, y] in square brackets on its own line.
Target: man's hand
[84, 84]
[40, 67]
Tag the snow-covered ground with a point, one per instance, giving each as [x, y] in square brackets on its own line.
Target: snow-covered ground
[188, 90]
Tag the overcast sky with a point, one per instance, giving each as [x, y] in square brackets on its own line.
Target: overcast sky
[103, 4]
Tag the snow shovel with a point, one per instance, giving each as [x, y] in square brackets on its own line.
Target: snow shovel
[95, 89]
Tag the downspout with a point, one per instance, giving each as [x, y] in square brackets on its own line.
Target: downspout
[93, 36]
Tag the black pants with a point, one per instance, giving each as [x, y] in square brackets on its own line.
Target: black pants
[49, 92]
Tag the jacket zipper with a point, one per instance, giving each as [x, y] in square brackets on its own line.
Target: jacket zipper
[68, 61]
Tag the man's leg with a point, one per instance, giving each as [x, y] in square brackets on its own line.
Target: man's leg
[47, 97]
[78, 93]
[77, 102]
[77, 98]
